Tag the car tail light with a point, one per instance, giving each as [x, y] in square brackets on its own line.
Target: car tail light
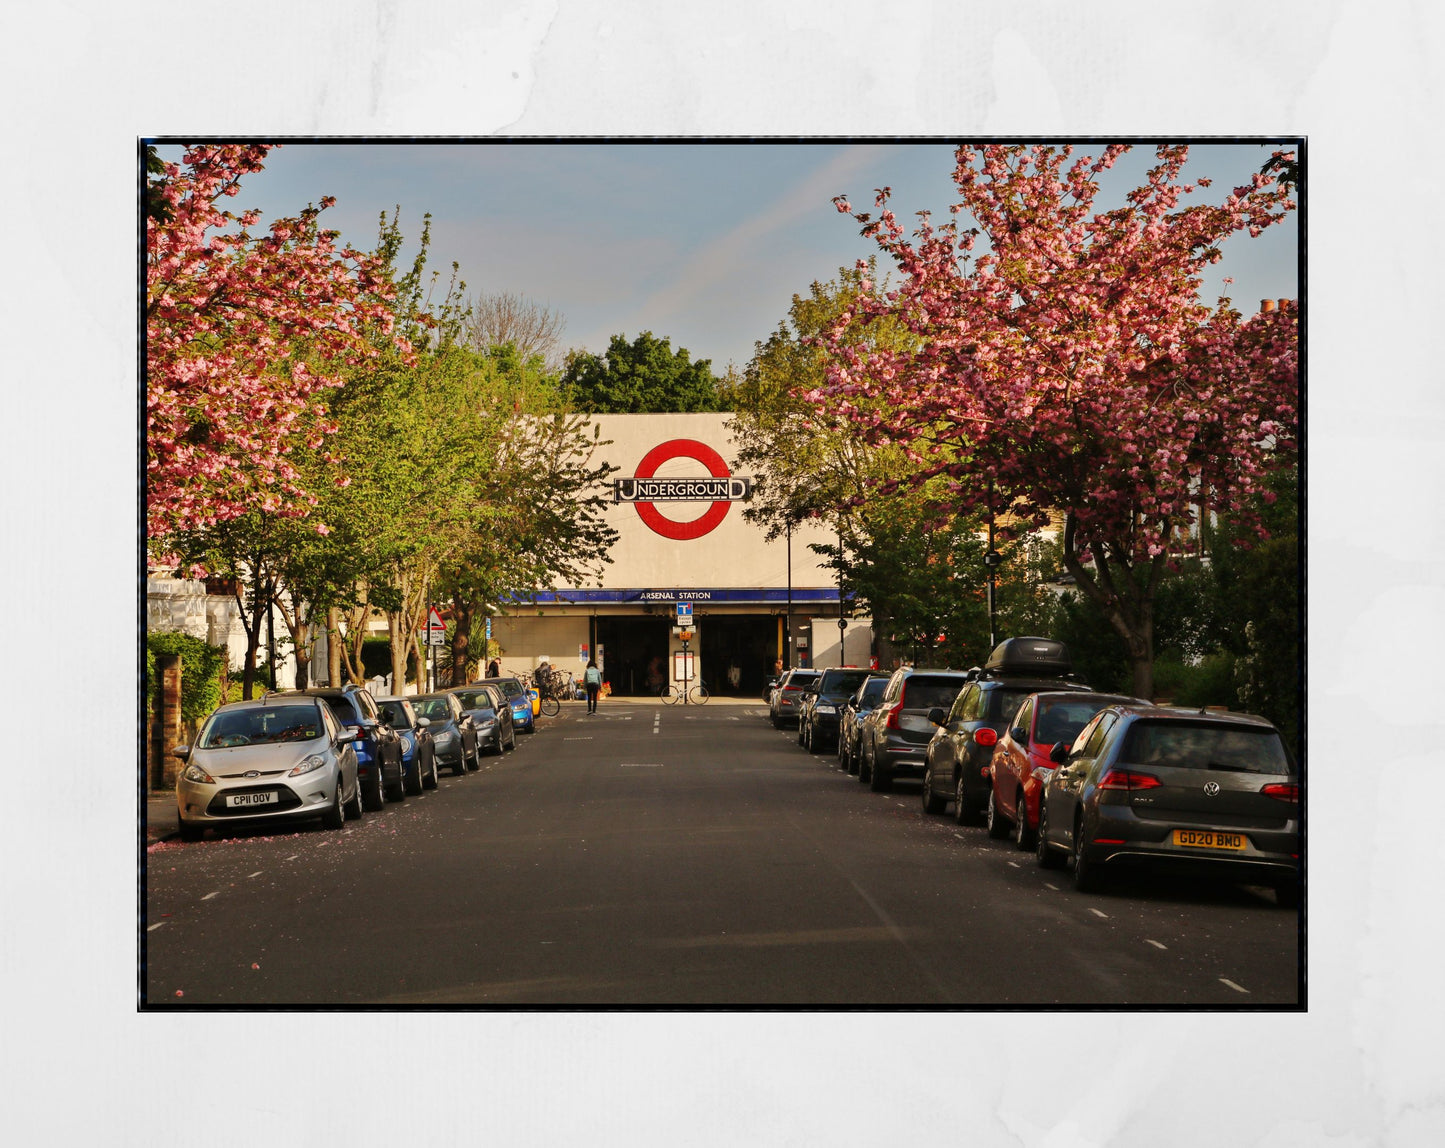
[893, 714]
[1127, 779]
[1281, 791]
[985, 737]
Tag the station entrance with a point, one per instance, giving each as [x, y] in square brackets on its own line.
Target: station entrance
[747, 641]
[636, 662]
[634, 654]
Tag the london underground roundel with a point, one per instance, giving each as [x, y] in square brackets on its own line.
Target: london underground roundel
[698, 489]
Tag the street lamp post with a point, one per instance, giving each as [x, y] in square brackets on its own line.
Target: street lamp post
[788, 665]
[991, 560]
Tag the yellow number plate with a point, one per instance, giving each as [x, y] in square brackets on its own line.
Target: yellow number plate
[1208, 839]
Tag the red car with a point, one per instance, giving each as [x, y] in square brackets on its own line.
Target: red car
[1021, 763]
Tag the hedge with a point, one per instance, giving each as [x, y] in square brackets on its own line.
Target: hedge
[201, 666]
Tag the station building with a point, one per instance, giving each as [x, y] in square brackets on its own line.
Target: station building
[682, 537]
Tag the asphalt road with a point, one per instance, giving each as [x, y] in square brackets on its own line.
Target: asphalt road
[667, 856]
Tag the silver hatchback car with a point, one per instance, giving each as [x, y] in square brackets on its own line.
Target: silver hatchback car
[282, 759]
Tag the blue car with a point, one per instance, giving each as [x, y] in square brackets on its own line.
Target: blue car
[519, 699]
[418, 750]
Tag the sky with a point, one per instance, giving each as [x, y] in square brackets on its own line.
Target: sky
[701, 243]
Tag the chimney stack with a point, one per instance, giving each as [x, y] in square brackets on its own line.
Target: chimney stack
[1266, 305]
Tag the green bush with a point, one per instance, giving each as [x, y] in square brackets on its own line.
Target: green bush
[1208, 683]
[375, 657]
[201, 666]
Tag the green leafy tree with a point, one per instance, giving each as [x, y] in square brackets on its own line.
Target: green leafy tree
[640, 377]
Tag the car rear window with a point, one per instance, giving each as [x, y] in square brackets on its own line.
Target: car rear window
[511, 688]
[1205, 745]
[1004, 702]
[843, 681]
[923, 693]
[1062, 719]
[474, 699]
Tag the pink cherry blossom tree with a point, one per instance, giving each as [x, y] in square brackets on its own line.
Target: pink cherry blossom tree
[1070, 368]
[243, 332]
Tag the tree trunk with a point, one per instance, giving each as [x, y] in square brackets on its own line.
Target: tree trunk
[1126, 604]
[462, 610]
[333, 646]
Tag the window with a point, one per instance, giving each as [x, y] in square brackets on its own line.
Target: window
[965, 707]
[1095, 744]
[1003, 703]
[1022, 722]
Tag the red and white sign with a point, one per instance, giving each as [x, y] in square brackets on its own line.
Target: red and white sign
[436, 629]
[654, 518]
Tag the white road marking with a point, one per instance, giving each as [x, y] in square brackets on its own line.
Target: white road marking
[293, 857]
[1099, 914]
[576, 739]
[1013, 864]
[153, 928]
[257, 873]
[1235, 987]
[1156, 944]
[1055, 888]
[208, 896]
[642, 765]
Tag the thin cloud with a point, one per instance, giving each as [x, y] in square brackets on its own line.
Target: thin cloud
[734, 251]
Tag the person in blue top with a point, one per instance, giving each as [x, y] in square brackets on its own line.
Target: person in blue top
[592, 682]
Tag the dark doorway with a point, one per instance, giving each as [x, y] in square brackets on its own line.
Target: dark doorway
[629, 646]
[749, 642]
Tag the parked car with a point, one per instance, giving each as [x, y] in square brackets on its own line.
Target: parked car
[490, 714]
[960, 755]
[418, 750]
[896, 735]
[278, 759]
[850, 719]
[378, 746]
[784, 707]
[519, 701]
[1175, 790]
[818, 721]
[451, 730]
[1021, 763]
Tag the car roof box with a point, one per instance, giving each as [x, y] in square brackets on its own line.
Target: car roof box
[1039, 656]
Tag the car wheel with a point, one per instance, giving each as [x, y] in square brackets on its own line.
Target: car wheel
[932, 802]
[353, 807]
[1048, 856]
[191, 832]
[512, 741]
[1022, 837]
[396, 791]
[993, 819]
[1086, 875]
[372, 797]
[853, 759]
[864, 769]
[335, 816]
[413, 782]
[879, 780]
[431, 781]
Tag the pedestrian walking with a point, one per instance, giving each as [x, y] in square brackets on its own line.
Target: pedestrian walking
[494, 668]
[592, 682]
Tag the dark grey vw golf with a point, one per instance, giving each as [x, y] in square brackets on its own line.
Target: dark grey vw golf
[1176, 789]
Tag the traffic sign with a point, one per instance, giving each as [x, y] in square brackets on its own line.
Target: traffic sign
[684, 614]
[436, 629]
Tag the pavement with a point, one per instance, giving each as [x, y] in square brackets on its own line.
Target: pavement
[163, 823]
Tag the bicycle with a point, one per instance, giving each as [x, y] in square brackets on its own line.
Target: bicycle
[547, 696]
[696, 695]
